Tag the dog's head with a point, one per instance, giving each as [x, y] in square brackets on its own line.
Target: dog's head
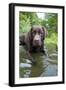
[38, 34]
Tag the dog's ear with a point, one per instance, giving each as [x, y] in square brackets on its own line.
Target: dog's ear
[30, 33]
[45, 32]
[28, 39]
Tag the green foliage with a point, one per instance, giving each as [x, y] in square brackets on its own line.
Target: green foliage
[53, 39]
[24, 23]
[50, 21]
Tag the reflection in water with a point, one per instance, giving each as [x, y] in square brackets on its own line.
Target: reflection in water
[51, 70]
[45, 66]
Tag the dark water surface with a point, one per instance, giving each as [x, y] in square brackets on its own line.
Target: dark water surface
[45, 65]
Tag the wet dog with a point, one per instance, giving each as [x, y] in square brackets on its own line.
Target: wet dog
[34, 40]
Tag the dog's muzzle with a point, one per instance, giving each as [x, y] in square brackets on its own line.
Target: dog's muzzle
[37, 40]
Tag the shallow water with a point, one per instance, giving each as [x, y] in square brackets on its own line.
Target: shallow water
[45, 65]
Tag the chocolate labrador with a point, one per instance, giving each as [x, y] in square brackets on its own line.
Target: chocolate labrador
[34, 40]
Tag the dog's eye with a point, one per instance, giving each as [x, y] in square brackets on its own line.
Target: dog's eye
[34, 32]
[39, 32]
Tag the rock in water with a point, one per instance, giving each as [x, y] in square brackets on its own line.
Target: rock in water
[28, 61]
[25, 65]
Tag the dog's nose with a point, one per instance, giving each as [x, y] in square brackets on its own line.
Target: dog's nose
[36, 41]
[37, 38]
